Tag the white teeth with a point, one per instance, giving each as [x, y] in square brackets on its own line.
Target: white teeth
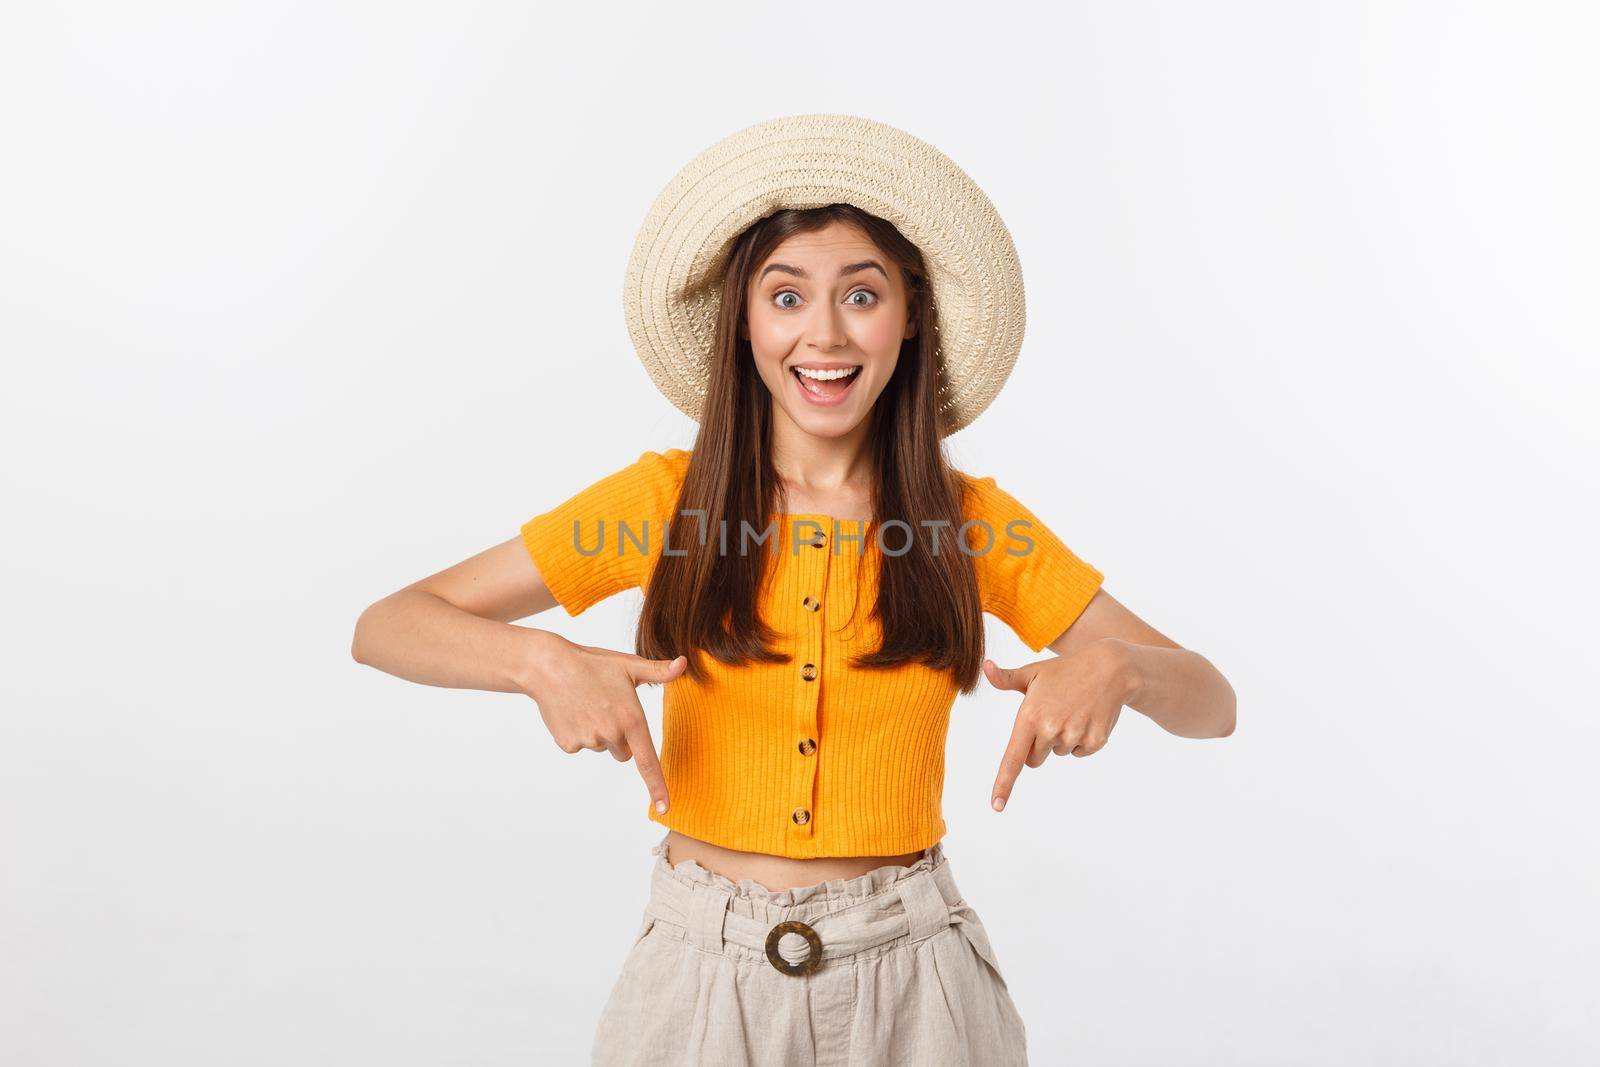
[826, 375]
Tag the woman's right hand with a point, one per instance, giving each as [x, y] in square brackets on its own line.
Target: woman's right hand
[587, 698]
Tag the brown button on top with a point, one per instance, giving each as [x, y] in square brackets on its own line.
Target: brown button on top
[807, 747]
[809, 671]
[812, 603]
[822, 539]
[801, 816]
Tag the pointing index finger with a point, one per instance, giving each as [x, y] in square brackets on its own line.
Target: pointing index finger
[1012, 762]
[644, 757]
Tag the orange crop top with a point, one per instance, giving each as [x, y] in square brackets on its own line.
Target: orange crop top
[808, 758]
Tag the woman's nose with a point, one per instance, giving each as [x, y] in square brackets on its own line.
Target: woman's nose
[824, 330]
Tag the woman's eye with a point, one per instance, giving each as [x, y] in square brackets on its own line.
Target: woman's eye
[779, 298]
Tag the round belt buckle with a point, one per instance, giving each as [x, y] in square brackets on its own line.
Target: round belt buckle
[794, 926]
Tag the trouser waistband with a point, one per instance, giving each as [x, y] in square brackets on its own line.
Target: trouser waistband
[917, 904]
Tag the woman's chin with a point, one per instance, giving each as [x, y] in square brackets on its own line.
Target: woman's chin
[825, 422]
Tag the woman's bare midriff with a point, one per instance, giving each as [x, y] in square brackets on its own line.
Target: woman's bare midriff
[776, 873]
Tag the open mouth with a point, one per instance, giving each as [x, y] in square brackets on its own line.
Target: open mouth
[825, 387]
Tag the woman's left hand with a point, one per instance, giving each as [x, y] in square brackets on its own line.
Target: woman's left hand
[1071, 705]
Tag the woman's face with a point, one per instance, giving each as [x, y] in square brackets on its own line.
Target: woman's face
[827, 302]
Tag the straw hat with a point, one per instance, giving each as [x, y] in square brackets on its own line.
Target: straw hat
[672, 288]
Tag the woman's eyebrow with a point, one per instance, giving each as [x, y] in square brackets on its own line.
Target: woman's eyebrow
[852, 268]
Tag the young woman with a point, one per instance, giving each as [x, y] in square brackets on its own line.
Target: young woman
[829, 297]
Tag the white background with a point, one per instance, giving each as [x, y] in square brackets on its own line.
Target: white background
[302, 302]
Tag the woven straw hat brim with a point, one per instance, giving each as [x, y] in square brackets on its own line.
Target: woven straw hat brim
[671, 291]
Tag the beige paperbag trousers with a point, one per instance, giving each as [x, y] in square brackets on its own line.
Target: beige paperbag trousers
[724, 973]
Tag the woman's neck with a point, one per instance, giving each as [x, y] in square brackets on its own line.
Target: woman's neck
[822, 467]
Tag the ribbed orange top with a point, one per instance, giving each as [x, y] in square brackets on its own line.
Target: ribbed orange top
[808, 758]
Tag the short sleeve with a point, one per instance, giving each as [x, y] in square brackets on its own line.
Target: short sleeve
[599, 542]
[1028, 578]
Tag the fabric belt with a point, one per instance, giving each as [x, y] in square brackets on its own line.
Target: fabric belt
[917, 904]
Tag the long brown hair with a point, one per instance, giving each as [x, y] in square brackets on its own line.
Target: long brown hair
[927, 605]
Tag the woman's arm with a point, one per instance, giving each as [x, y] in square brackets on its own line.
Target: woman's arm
[1154, 675]
[453, 629]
